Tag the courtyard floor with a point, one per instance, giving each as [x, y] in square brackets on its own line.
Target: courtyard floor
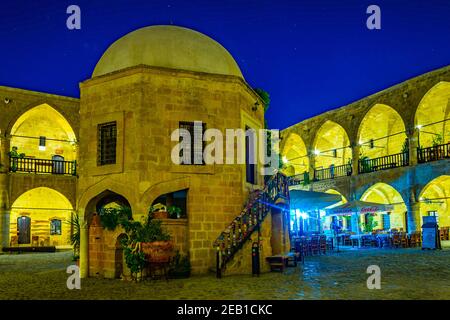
[405, 274]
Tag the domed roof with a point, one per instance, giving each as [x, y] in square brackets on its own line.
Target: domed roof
[170, 47]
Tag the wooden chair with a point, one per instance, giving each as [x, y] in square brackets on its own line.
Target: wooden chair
[14, 241]
[396, 241]
[347, 241]
[315, 246]
[323, 244]
[403, 240]
[35, 241]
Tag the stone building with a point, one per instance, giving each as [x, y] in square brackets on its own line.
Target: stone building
[116, 143]
[63, 157]
[392, 147]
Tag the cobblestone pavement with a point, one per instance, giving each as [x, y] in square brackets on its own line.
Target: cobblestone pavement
[405, 274]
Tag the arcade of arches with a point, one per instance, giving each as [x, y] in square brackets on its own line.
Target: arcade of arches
[40, 217]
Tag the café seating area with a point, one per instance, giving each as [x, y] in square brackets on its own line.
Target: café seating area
[381, 239]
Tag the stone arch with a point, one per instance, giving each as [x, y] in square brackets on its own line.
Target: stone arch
[435, 198]
[63, 113]
[331, 145]
[295, 155]
[384, 193]
[108, 185]
[381, 132]
[161, 188]
[432, 110]
[42, 205]
[43, 120]
[17, 191]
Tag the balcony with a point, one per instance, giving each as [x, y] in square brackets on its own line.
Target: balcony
[43, 166]
[333, 172]
[299, 179]
[433, 153]
[384, 163]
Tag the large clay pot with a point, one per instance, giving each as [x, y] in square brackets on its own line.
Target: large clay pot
[160, 215]
[157, 251]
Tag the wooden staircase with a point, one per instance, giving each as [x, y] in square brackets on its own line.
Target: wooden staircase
[258, 206]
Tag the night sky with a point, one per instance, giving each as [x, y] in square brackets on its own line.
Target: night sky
[311, 56]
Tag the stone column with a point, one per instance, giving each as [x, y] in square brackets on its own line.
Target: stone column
[4, 228]
[312, 165]
[4, 150]
[413, 216]
[413, 139]
[355, 223]
[355, 159]
[84, 247]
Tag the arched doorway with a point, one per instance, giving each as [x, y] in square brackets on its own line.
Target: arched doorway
[104, 246]
[40, 217]
[332, 152]
[119, 258]
[386, 194]
[435, 201]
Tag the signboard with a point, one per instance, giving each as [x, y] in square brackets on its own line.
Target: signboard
[430, 236]
[59, 151]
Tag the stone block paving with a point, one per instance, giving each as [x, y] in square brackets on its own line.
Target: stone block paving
[405, 274]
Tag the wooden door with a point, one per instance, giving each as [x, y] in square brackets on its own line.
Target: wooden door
[24, 229]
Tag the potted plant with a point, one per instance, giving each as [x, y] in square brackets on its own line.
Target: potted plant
[147, 241]
[174, 212]
[74, 223]
[159, 211]
[112, 217]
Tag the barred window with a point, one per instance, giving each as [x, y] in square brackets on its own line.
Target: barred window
[107, 140]
[193, 152]
[55, 227]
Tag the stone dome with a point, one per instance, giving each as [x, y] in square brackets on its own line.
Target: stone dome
[170, 47]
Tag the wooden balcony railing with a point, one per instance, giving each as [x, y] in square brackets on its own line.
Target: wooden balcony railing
[384, 163]
[434, 153]
[302, 178]
[333, 172]
[32, 165]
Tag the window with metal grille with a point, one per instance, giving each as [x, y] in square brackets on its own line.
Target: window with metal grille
[193, 152]
[107, 140]
[55, 227]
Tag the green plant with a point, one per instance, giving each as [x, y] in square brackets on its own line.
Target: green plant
[180, 266]
[405, 146]
[149, 230]
[371, 224]
[365, 163]
[74, 223]
[174, 212]
[437, 140]
[110, 218]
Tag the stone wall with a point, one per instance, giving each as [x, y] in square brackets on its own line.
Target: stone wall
[147, 104]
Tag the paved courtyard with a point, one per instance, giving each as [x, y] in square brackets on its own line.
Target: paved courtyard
[405, 274]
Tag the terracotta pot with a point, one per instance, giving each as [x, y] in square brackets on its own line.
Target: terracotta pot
[160, 215]
[157, 251]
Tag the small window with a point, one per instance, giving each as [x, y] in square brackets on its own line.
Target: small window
[193, 151]
[55, 227]
[250, 157]
[107, 140]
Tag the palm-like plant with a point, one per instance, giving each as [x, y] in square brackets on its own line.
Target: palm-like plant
[74, 222]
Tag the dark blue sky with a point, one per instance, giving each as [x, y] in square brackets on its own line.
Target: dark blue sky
[311, 56]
